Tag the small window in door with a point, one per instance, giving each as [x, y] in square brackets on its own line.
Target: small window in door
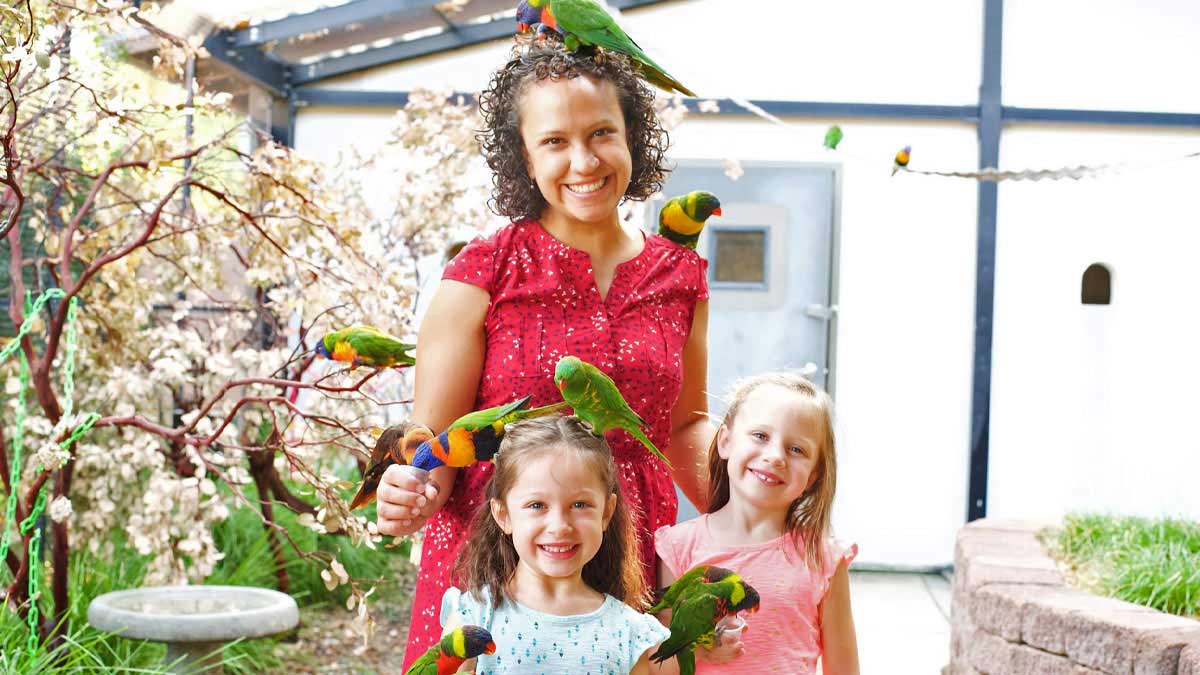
[1097, 285]
[738, 258]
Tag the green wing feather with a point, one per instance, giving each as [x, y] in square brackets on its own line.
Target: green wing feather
[427, 664]
[484, 418]
[678, 587]
[612, 411]
[592, 25]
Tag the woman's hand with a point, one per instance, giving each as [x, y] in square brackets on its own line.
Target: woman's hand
[405, 503]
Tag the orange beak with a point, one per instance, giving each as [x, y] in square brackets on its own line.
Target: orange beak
[522, 27]
[717, 211]
[490, 649]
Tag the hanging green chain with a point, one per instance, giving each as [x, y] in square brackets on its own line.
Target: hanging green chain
[32, 309]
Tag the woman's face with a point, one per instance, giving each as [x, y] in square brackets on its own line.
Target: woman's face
[576, 147]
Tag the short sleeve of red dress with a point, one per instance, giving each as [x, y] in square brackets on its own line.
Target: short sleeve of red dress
[544, 305]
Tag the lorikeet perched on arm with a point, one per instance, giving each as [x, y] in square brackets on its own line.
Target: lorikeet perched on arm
[597, 401]
[682, 218]
[476, 436]
[365, 346]
[695, 615]
[584, 22]
[706, 574]
[471, 438]
[456, 646]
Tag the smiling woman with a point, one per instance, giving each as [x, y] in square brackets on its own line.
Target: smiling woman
[569, 135]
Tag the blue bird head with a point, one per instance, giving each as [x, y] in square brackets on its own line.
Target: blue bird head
[527, 17]
[322, 351]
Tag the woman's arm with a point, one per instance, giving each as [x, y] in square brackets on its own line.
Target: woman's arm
[840, 655]
[691, 434]
[450, 350]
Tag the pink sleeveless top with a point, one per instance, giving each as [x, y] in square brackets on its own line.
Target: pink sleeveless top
[784, 636]
[545, 305]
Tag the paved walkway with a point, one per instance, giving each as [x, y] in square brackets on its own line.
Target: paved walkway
[902, 621]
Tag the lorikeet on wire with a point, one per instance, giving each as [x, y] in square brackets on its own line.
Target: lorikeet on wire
[584, 22]
[476, 436]
[902, 158]
[393, 446]
[706, 574]
[365, 346]
[695, 615]
[682, 218]
[597, 401]
[460, 644]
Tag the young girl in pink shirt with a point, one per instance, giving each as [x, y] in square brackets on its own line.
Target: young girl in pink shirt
[772, 470]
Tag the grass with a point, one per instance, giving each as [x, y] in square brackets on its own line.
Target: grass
[248, 562]
[1151, 562]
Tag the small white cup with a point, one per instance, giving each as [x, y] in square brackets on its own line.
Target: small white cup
[730, 630]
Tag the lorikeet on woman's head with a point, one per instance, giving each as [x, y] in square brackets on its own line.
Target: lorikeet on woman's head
[584, 22]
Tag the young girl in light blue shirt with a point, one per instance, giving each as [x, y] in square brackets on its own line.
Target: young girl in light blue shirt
[550, 567]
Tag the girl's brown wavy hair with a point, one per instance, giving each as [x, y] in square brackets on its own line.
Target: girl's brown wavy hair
[808, 516]
[514, 193]
[489, 560]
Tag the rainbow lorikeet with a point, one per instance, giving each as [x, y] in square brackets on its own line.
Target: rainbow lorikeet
[695, 615]
[597, 401]
[456, 646]
[476, 436]
[393, 446]
[682, 218]
[584, 22]
[706, 574]
[902, 157]
[366, 346]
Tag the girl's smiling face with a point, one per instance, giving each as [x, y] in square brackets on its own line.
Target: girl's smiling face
[575, 143]
[556, 512]
[772, 446]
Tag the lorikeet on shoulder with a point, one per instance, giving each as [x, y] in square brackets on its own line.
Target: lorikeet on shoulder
[682, 218]
[584, 22]
[456, 646]
[366, 346]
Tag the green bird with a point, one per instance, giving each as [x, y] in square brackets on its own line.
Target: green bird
[699, 574]
[584, 22]
[695, 615]
[682, 218]
[460, 644]
[366, 346]
[597, 401]
[833, 137]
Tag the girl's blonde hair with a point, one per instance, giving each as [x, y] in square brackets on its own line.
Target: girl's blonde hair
[489, 560]
[808, 516]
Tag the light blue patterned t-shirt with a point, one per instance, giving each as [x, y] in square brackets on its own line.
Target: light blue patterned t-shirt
[607, 641]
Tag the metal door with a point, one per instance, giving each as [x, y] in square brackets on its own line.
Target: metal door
[772, 277]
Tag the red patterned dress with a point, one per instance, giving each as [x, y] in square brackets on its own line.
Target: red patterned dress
[545, 305]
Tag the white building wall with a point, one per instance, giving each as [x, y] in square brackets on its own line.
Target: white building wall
[906, 269]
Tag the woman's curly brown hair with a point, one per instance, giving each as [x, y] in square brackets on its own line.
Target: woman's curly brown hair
[514, 193]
